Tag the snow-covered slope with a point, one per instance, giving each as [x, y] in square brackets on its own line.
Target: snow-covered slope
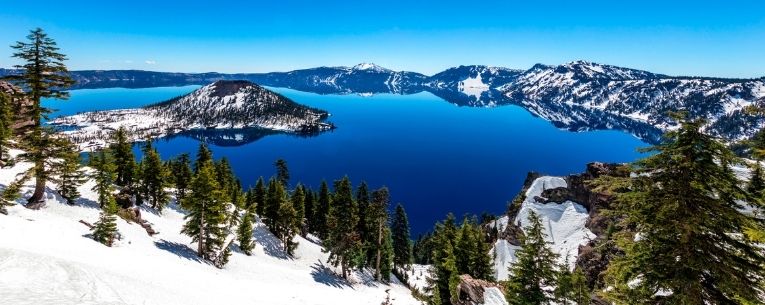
[46, 257]
[564, 224]
[220, 105]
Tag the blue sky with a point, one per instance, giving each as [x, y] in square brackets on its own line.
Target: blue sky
[709, 38]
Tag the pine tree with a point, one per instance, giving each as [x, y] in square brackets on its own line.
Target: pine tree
[463, 247]
[244, 232]
[581, 293]
[343, 242]
[481, 263]
[204, 155]
[386, 258]
[43, 75]
[154, 177]
[259, 194]
[684, 202]
[104, 176]
[68, 174]
[105, 229]
[206, 208]
[402, 244]
[756, 186]
[757, 144]
[287, 224]
[225, 175]
[375, 225]
[124, 159]
[534, 268]
[282, 173]
[443, 284]
[182, 175]
[298, 203]
[309, 206]
[273, 202]
[321, 216]
[6, 131]
[368, 233]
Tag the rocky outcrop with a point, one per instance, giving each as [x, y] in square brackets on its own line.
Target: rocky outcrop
[19, 106]
[472, 291]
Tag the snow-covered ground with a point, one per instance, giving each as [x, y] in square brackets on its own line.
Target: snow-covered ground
[564, 224]
[46, 257]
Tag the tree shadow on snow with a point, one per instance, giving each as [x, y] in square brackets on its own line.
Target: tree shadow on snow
[271, 245]
[323, 274]
[180, 250]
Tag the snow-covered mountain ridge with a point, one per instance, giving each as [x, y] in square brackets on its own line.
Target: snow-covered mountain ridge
[643, 96]
[220, 105]
[577, 96]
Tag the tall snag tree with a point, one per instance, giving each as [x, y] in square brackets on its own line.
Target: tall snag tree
[43, 75]
[684, 201]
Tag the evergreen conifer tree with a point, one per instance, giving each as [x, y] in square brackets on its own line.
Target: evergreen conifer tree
[273, 202]
[534, 268]
[68, 174]
[684, 201]
[154, 177]
[104, 176]
[287, 224]
[206, 208]
[181, 175]
[309, 207]
[386, 262]
[244, 232]
[756, 186]
[321, 215]
[259, 194]
[376, 225]
[105, 229]
[43, 75]
[298, 203]
[402, 243]
[282, 173]
[204, 155]
[124, 159]
[343, 242]
[443, 284]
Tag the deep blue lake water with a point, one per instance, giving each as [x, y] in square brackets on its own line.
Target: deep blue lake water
[435, 157]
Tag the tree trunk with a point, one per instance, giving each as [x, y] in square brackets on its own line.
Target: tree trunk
[200, 242]
[36, 200]
[379, 245]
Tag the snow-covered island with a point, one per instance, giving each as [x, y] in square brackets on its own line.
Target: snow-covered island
[220, 105]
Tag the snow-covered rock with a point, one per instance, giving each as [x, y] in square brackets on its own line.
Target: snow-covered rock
[564, 225]
[47, 257]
